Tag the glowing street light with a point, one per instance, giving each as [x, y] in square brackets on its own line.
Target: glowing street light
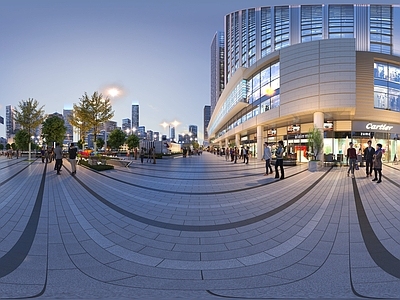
[113, 92]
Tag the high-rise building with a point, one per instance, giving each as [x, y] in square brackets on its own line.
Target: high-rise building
[193, 131]
[206, 120]
[141, 132]
[126, 125]
[69, 133]
[172, 133]
[10, 123]
[292, 68]
[149, 135]
[217, 68]
[135, 116]
[156, 136]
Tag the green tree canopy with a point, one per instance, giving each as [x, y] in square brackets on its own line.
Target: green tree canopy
[100, 143]
[116, 138]
[53, 130]
[22, 139]
[13, 146]
[1, 147]
[8, 146]
[132, 141]
[29, 115]
[91, 112]
[315, 141]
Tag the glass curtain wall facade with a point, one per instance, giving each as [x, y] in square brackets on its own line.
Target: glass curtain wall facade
[253, 36]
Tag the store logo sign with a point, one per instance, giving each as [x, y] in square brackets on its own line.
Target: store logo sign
[383, 127]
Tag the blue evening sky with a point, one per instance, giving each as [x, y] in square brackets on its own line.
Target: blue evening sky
[156, 51]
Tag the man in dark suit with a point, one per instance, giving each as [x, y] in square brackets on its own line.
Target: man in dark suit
[368, 157]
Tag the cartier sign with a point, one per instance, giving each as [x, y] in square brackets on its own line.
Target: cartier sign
[383, 127]
[362, 126]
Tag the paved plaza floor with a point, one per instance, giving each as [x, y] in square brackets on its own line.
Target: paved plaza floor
[197, 228]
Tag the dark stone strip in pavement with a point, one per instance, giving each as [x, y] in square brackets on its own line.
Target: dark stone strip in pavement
[17, 254]
[194, 179]
[13, 164]
[9, 178]
[380, 255]
[191, 193]
[198, 228]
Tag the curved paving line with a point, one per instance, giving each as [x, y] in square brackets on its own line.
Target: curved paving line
[196, 179]
[216, 227]
[8, 179]
[17, 254]
[191, 193]
[380, 255]
[13, 164]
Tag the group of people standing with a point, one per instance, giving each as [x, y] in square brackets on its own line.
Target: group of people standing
[373, 160]
[56, 154]
[267, 156]
[234, 154]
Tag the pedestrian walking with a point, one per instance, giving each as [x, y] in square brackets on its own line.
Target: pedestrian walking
[236, 154]
[378, 163]
[267, 157]
[141, 154]
[43, 153]
[279, 160]
[352, 159]
[59, 156]
[368, 157]
[246, 153]
[154, 154]
[72, 151]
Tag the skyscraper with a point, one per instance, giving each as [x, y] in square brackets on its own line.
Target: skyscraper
[172, 133]
[206, 120]
[217, 68]
[292, 68]
[69, 134]
[135, 116]
[10, 123]
[193, 131]
[126, 125]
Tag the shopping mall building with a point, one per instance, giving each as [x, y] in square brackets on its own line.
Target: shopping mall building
[286, 69]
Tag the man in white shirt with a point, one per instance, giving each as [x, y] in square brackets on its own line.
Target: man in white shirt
[267, 157]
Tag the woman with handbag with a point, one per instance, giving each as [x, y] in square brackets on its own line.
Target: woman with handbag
[378, 163]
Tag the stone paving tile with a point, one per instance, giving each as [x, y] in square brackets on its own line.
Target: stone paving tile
[104, 253]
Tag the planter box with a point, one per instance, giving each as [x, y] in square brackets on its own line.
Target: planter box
[315, 165]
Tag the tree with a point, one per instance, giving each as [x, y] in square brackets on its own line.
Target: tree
[195, 145]
[22, 139]
[77, 119]
[100, 143]
[315, 142]
[116, 138]
[8, 146]
[132, 141]
[14, 146]
[1, 147]
[29, 115]
[54, 130]
[91, 113]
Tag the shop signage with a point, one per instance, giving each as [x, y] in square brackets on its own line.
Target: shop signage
[383, 127]
[375, 127]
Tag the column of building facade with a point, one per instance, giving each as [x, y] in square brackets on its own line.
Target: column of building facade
[237, 140]
[260, 142]
[226, 143]
[319, 123]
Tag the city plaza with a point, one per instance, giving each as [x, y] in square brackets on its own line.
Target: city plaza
[197, 227]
